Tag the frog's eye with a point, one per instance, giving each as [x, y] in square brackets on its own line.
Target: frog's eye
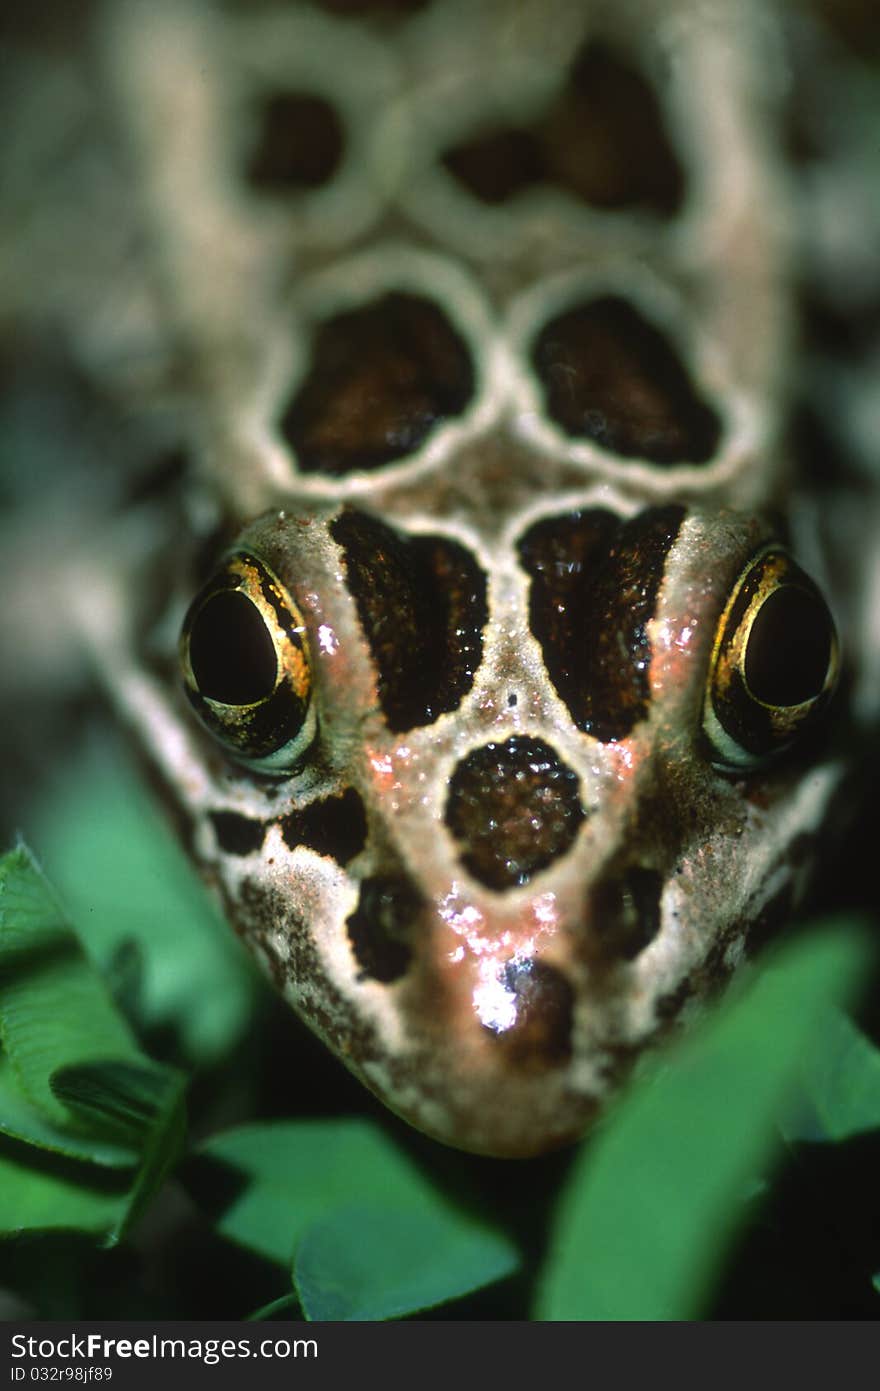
[774, 665]
[245, 666]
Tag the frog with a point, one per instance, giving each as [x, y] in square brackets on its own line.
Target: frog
[487, 653]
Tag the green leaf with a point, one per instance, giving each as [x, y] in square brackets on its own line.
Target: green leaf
[54, 1008]
[40, 1193]
[382, 1263]
[319, 1188]
[142, 1104]
[653, 1200]
[299, 1186]
[21, 1121]
[123, 1098]
[287, 1304]
[840, 1094]
[282, 1176]
[120, 870]
[74, 1081]
[163, 1143]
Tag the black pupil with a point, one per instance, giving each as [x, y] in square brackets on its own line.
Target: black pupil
[789, 647]
[231, 652]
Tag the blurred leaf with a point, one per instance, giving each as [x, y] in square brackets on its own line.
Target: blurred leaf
[644, 1222]
[117, 865]
[840, 1091]
[382, 1263]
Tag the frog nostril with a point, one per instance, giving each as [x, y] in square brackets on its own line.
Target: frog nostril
[513, 808]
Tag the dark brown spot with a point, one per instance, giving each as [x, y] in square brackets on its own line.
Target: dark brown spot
[380, 8]
[541, 1004]
[497, 164]
[422, 604]
[236, 834]
[299, 144]
[603, 140]
[611, 376]
[594, 589]
[513, 808]
[606, 140]
[334, 826]
[624, 913]
[382, 926]
[381, 378]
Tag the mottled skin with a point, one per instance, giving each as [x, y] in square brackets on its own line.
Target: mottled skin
[508, 858]
[498, 1017]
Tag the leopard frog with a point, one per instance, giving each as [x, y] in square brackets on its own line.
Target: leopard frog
[480, 650]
